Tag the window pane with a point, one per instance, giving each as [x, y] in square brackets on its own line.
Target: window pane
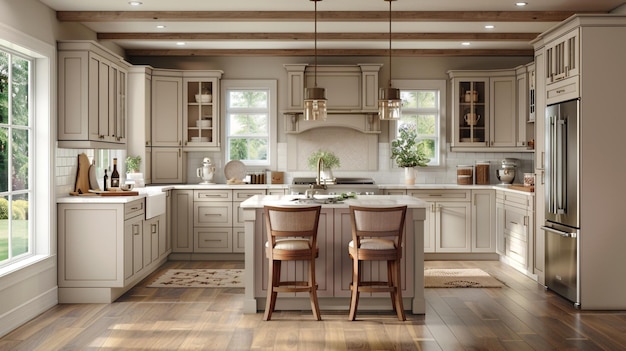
[248, 149]
[248, 124]
[20, 159]
[4, 160]
[19, 89]
[4, 228]
[19, 225]
[426, 124]
[409, 99]
[4, 87]
[248, 99]
[427, 99]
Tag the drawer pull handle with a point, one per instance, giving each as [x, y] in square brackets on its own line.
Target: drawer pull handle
[212, 214]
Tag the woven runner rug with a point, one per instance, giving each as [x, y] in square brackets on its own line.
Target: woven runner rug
[199, 278]
[459, 278]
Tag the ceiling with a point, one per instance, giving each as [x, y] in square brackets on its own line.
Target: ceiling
[344, 27]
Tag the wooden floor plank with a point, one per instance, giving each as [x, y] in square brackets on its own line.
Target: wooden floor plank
[522, 315]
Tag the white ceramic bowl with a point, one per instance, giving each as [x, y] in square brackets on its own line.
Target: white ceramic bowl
[204, 98]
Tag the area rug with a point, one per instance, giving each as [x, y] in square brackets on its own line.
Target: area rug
[459, 278]
[199, 278]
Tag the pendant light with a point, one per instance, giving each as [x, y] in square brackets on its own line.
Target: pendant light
[389, 102]
[315, 98]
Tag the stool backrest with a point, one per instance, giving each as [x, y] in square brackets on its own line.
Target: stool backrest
[378, 222]
[301, 222]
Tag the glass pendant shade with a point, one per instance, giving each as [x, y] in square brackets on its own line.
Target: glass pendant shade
[314, 104]
[389, 104]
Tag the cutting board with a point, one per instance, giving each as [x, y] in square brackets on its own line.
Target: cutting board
[521, 187]
[82, 174]
[115, 193]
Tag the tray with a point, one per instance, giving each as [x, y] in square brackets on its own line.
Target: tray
[530, 189]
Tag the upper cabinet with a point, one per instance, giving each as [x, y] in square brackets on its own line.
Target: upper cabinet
[563, 66]
[92, 96]
[484, 115]
[167, 108]
[200, 110]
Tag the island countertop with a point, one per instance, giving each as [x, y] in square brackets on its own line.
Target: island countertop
[258, 201]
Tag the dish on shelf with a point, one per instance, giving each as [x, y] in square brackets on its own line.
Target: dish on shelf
[235, 169]
[204, 98]
[204, 123]
[199, 139]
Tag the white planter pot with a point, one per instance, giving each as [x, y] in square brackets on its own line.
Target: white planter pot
[409, 175]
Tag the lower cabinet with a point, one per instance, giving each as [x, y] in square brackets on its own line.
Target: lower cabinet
[210, 220]
[105, 249]
[484, 221]
[515, 225]
[448, 220]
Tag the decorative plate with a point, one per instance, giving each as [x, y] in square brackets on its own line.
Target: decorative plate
[235, 169]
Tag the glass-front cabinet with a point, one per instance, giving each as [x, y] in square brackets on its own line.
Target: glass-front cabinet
[471, 116]
[201, 113]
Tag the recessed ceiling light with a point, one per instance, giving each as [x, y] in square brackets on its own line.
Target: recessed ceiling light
[160, 26]
[180, 43]
[521, 4]
[135, 3]
[490, 26]
[465, 43]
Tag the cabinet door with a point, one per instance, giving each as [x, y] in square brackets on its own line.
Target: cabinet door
[134, 228]
[453, 226]
[167, 165]
[167, 122]
[200, 114]
[182, 221]
[563, 57]
[430, 228]
[500, 240]
[74, 88]
[503, 123]
[98, 98]
[121, 107]
[483, 221]
[471, 111]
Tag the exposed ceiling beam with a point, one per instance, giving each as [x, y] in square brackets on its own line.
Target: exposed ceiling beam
[320, 36]
[328, 16]
[329, 52]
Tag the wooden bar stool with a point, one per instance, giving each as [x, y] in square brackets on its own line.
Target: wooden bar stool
[291, 236]
[377, 234]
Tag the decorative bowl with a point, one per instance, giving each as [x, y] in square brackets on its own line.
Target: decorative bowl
[204, 98]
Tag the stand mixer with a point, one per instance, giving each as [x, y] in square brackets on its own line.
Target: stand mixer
[506, 174]
[206, 172]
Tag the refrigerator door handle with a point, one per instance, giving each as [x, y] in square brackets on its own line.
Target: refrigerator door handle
[561, 233]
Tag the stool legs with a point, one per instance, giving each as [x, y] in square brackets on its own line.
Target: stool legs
[313, 292]
[354, 287]
[274, 284]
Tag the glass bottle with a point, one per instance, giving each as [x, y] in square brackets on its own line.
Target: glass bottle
[106, 180]
[115, 176]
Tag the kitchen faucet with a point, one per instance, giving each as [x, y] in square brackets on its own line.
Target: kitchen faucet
[319, 184]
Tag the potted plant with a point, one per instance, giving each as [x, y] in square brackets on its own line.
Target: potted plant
[408, 152]
[132, 164]
[330, 161]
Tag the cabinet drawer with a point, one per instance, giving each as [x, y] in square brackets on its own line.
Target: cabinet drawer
[515, 223]
[214, 214]
[242, 195]
[212, 195]
[441, 195]
[563, 90]
[133, 209]
[213, 240]
[516, 250]
[519, 200]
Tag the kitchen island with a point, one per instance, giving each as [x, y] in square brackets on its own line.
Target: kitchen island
[333, 266]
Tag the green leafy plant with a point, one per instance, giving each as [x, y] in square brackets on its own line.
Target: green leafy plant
[132, 163]
[406, 151]
[330, 159]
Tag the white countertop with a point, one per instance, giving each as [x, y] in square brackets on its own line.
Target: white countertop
[258, 201]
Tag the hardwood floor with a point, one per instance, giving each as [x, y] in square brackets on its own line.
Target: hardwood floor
[520, 316]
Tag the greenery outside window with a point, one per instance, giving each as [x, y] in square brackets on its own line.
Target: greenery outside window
[15, 156]
[423, 106]
[250, 115]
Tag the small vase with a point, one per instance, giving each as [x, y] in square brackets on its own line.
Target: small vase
[409, 175]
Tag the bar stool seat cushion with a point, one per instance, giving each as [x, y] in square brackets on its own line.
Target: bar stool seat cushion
[291, 244]
[375, 244]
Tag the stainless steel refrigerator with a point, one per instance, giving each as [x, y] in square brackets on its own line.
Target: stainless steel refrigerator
[562, 184]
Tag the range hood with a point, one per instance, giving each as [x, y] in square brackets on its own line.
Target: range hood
[351, 90]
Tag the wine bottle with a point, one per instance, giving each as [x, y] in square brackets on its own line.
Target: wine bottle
[106, 180]
[115, 176]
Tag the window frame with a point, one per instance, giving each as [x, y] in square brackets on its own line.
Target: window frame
[269, 85]
[42, 203]
[427, 84]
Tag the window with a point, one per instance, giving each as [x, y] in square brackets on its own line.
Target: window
[15, 156]
[250, 115]
[423, 105]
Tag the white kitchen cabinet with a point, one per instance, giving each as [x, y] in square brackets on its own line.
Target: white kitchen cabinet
[448, 220]
[91, 96]
[168, 165]
[154, 239]
[483, 221]
[182, 221]
[562, 57]
[167, 109]
[484, 116]
[525, 94]
[516, 229]
[102, 249]
[240, 196]
[213, 221]
[140, 107]
[201, 122]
